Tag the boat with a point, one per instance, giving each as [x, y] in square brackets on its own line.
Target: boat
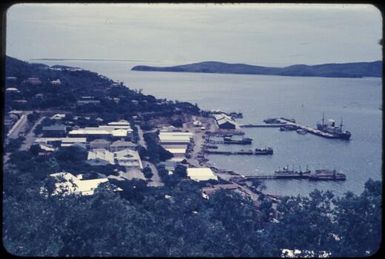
[243, 141]
[327, 175]
[289, 120]
[263, 151]
[211, 146]
[331, 128]
[301, 131]
[245, 152]
[288, 128]
[272, 121]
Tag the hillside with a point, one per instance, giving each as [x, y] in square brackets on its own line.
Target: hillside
[359, 69]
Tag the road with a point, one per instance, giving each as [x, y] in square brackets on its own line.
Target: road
[30, 137]
[155, 180]
[19, 126]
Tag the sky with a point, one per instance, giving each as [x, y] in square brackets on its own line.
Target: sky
[172, 34]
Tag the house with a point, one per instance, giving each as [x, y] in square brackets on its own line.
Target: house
[100, 157]
[87, 100]
[56, 130]
[201, 174]
[58, 116]
[67, 184]
[121, 144]
[33, 81]
[56, 82]
[100, 144]
[12, 90]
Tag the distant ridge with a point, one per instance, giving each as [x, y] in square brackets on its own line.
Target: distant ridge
[357, 69]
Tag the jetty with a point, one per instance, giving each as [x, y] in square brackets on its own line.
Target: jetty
[268, 125]
[306, 128]
[317, 175]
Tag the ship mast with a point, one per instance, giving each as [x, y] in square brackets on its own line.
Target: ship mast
[341, 124]
[323, 118]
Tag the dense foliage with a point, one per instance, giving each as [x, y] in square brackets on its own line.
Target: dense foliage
[178, 221]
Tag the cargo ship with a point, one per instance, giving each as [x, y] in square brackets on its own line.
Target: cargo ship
[263, 151]
[331, 128]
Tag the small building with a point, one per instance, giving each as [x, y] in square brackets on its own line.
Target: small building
[12, 90]
[87, 100]
[100, 144]
[33, 81]
[100, 157]
[56, 82]
[201, 174]
[128, 158]
[121, 144]
[225, 123]
[58, 116]
[56, 130]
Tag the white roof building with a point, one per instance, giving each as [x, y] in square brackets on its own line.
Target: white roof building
[58, 116]
[175, 137]
[201, 174]
[65, 142]
[69, 184]
[128, 158]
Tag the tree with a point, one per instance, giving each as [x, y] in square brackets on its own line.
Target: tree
[147, 172]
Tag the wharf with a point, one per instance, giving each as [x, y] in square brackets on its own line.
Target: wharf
[268, 125]
[308, 129]
[222, 152]
[310, 177]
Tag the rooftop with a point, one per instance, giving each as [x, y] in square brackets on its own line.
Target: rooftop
[201, 174]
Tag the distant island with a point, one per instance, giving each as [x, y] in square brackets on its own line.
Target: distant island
[358, 69]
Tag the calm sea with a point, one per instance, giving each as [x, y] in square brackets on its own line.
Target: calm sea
[357, 101]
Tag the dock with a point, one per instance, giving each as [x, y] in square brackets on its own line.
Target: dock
[222, 152]
[268, 125]
[307, 129]
[309, 177]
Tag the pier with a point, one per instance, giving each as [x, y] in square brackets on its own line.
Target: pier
[307, 129]
[222, 152]
[268, 125]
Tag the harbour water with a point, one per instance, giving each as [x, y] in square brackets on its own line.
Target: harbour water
[358, 101]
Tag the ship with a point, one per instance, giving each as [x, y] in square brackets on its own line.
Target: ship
[331, 128]
[286, 173]
[301, 131]
[263, 151]
[327, 175]
[288, 128]
[243, 141]
[272, 121]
